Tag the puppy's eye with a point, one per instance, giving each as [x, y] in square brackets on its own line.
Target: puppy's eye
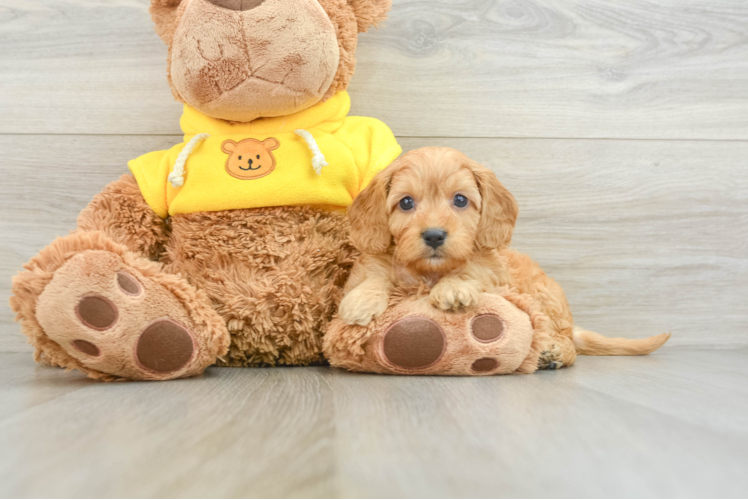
[406, 203]
[240, 157]
[461, 201]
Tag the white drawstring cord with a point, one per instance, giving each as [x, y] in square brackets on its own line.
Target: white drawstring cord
[176, 177]
[318, 159]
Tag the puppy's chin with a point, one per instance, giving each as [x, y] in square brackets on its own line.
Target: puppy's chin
[430, 262]
[433, 265]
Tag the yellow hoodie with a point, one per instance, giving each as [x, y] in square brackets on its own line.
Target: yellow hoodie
[319, 156]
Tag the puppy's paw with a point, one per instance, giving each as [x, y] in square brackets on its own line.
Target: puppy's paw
[453, 295]
[550, 358]
[361, 306]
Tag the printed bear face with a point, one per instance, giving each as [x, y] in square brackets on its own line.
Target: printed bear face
[239, 60]
[250, 158]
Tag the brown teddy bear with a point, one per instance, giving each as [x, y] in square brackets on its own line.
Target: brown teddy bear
[231, 247]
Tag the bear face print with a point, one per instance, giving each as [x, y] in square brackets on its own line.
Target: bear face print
[250, 158]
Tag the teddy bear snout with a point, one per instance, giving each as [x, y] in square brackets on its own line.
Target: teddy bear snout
[237, 4]
[218, 70]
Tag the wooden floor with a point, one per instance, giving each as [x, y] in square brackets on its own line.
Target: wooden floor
[621, 126]
[672, 424]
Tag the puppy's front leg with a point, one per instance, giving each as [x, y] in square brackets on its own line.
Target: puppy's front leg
[453, 293]
[366, 302]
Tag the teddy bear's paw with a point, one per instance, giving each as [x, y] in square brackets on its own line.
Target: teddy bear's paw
[127, 322]
[467, 345]
[413, 337]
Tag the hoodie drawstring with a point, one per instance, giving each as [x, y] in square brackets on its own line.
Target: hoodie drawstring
[176, 177]
[318, 159]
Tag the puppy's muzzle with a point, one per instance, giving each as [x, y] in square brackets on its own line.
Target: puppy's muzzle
[434, 237]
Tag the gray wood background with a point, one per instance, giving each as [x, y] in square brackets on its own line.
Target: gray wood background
[620, 126]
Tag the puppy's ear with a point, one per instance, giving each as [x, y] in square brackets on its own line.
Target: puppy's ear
[499, 210]
[370, 231]
[164, 15]
[370, 12]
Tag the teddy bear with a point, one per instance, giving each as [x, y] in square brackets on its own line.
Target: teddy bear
[230, 248]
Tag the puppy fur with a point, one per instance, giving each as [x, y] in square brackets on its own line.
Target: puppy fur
[473, 258]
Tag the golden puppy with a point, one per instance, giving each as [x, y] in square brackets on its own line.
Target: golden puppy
[437, 217]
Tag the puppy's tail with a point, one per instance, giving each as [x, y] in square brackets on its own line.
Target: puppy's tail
[593, 344]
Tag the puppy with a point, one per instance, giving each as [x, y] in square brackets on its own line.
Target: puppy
[436, 217]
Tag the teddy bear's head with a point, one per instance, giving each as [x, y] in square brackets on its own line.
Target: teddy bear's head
[239, 60]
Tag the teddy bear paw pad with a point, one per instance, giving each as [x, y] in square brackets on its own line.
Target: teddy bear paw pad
[97, 312]
[164, 347]
[414, 343]
[485, 365]
[86, 347]
[128, 284]
[487, 328]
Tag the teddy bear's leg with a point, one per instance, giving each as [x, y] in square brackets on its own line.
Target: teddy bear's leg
[92, 303]
[411, 337]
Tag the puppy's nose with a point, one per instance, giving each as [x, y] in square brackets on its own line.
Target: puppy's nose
[434, 237]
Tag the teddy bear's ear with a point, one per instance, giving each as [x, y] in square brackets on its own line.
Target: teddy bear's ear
[370, 12]
[164, 15]
[270, 144]
[228, 147]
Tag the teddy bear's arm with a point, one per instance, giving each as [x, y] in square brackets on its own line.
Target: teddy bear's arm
[120, 212]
